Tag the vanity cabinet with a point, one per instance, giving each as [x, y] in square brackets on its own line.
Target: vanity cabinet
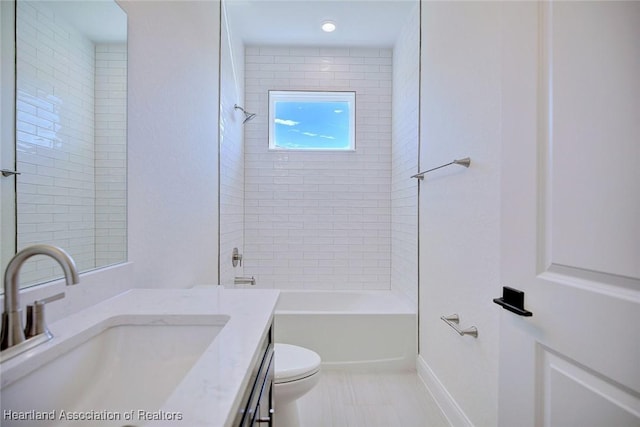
[256, 407]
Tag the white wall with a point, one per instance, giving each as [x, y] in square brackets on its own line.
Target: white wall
[459, 208]
[319, 220]
[231, 152]
[173, 142]
[404, 159]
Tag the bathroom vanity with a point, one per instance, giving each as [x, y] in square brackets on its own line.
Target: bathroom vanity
[200, 357]
[256, 406]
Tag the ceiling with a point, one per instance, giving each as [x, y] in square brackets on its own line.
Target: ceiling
[297, 22]
[99, 20]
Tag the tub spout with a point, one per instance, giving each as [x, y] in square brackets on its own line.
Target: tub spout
[244, 281]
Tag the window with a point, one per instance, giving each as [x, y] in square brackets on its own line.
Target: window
[312, 120]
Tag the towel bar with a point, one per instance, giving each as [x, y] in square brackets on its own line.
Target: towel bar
[453, 319]
[462, 162]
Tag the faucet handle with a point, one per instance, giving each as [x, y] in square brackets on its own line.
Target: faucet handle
[52, 298]
[236, 257]
[36, 323]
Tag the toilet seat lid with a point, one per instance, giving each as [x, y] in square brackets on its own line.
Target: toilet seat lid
[294, 363]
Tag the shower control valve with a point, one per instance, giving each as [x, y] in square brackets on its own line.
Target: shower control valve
[236, 258]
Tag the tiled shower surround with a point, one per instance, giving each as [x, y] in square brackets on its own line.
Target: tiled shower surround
[322, 220]
[231, 154]
[71, 143]
[404, 159]
[111, 152]
[319, 220]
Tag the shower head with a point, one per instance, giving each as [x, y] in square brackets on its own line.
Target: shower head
[247, 115]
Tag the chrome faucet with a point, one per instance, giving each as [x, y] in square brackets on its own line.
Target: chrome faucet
[12, 330]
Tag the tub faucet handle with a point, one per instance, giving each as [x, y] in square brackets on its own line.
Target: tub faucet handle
[236, 257]
[36, 323]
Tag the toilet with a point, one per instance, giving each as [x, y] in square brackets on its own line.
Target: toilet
[297, 371]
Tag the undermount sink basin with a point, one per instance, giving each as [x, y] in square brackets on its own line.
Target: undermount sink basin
[125, 363]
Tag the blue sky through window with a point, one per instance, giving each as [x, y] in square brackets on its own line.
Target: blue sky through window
[311, 120]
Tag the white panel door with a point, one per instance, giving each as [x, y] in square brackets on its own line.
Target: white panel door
[571, 214]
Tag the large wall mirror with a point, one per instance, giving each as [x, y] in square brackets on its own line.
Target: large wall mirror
[70, 144]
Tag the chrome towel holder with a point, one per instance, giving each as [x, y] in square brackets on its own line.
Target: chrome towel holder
[462, 162]
[453, 320]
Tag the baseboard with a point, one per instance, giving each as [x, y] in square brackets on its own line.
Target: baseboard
[450, 409]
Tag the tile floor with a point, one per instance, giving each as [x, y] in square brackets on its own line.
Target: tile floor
[354, 399]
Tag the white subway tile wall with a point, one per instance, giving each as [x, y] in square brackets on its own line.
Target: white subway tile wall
[111, 153]
[404, 159]
[55, 149]
[319, 220]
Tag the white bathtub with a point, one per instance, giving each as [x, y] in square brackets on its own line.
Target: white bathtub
[350, 329]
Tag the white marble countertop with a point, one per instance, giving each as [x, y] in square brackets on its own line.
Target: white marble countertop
[210, 393]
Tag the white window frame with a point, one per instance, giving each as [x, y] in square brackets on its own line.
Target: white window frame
[312, 96]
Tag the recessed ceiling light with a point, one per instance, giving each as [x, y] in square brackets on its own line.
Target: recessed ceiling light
[328, 26]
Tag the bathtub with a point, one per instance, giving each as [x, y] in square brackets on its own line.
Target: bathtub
[368, 330]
